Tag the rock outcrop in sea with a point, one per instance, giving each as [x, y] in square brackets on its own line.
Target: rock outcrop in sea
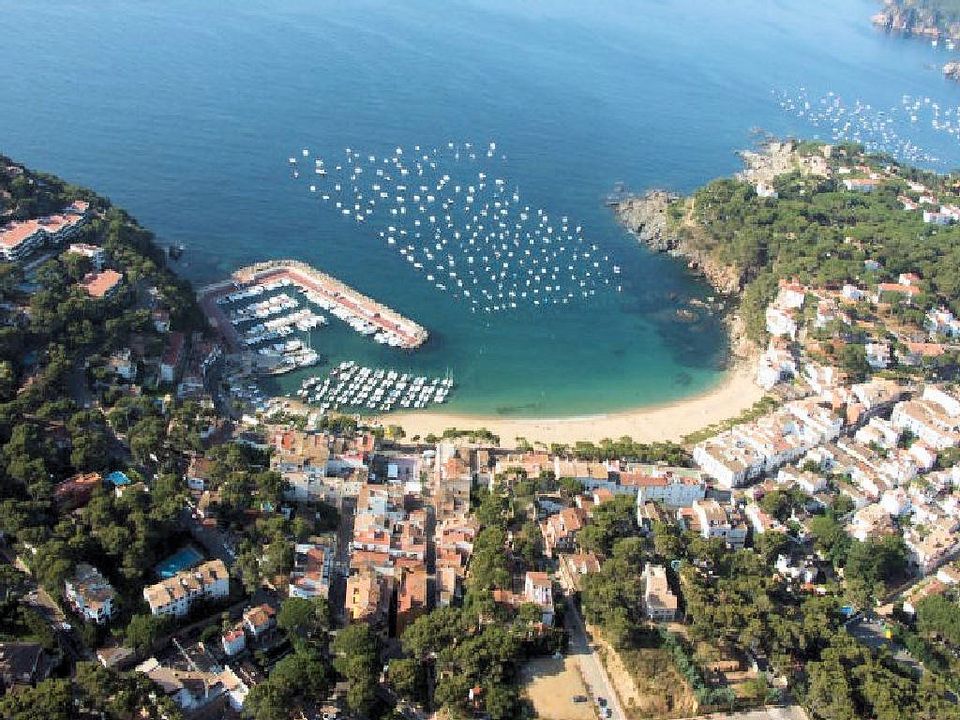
[647, 217]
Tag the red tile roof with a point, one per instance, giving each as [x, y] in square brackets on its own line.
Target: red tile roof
[898, 288]
[98, 285]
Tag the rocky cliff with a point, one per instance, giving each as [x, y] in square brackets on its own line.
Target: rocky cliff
[920, 19]
[647, 216]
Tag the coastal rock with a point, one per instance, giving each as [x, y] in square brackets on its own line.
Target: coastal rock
[910, 19]
[647, 217]
[728, 280]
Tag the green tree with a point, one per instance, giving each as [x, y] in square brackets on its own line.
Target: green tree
[144, 631]
[303, 618]
[357, 654]
[612, 521]
[406, 676]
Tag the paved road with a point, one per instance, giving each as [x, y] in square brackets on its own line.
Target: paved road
[215, 542]
[871, 631]
[594, 674]
[48, 609]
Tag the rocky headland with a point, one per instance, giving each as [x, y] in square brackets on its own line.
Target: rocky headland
[650, 219]
[921, 19]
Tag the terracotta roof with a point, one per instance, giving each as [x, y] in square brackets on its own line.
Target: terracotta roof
[540, 579]
[234, 634]
[925, 349]
[171, 354]
[260, 616]
[898, 288]
[97, 285]
[15, 233]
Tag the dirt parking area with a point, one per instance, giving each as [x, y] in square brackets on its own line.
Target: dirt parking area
[551, 686]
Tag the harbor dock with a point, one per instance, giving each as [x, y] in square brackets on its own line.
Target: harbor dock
[362, 313]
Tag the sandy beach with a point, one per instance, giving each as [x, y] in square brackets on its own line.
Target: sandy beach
[735, 393]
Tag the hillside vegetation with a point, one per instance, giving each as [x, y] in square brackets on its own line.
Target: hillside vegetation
[822, 234]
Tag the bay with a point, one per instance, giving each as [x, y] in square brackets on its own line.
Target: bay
[185, 113]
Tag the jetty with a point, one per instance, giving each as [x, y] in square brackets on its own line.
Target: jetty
[362, 313]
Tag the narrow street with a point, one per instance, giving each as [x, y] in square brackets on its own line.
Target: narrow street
[48, 609]
[341, 565]
[591, 666]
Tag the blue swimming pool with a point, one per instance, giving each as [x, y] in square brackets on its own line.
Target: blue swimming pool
[118, 479]
[182, 559]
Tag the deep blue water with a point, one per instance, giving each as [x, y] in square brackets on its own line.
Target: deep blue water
[185, 113]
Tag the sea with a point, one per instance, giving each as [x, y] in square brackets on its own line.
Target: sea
[185, 113]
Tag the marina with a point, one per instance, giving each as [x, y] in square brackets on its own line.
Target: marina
[270, 310]
[350, 386]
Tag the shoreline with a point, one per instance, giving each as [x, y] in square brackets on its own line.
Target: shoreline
[735, 393]
[644, 217]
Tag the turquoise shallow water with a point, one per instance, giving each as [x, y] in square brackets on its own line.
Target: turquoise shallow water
[186, 112]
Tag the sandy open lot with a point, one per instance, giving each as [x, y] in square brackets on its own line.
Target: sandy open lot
[551, 684]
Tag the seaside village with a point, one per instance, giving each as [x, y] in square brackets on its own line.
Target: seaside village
[214, 540]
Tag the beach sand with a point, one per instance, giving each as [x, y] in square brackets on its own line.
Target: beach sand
[735, 393]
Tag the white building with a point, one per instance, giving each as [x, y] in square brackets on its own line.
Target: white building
[864, 185]
[19, 239]
[878, 355]
[780, 323]
[714, 522]
[89, 594]
[896, 502]
[659, 601]
[880, 432]
[821, 378]
[810, 482]
[312, 567]
[948, 402]
[174, 595]
[538, 589]
[935, 418]
[760, 521]
[95, 253]
[775, 365]
[671, 490]
[940, 321]
[790, 296]
[728, 459]
[196, 691]
[766, 191]
[937, 218]
[747, 451]
[931, 549]
[853, 293]
[122, 365]
[234, 641]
